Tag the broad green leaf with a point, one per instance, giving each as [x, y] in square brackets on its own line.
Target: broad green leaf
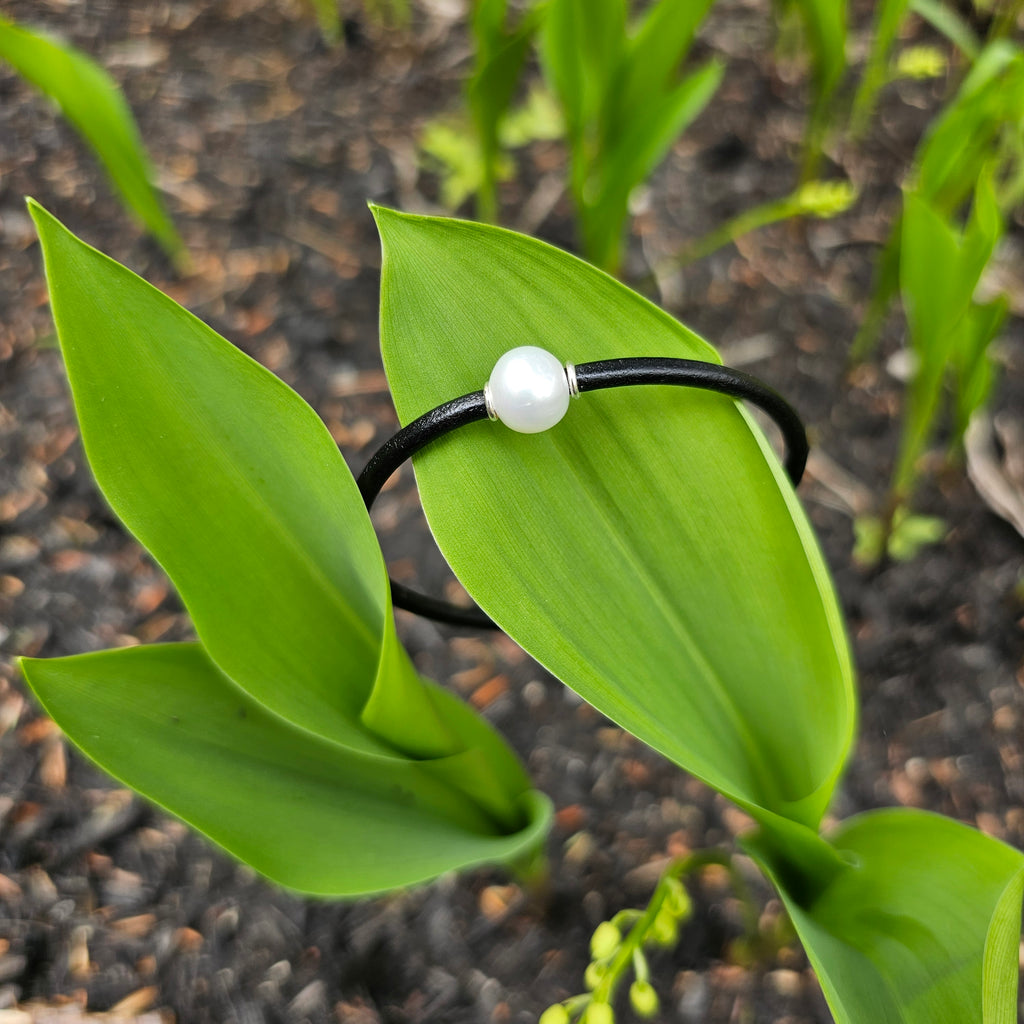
[304, 812]
[648, 550]
[236, 487]
[232, 483]
[94, 105]
[922, 927]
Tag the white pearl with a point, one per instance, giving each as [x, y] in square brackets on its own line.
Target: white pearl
[528, 390]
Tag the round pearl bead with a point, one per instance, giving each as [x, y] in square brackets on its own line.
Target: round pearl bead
[528, 390]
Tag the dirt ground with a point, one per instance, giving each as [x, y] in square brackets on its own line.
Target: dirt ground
[268, 145]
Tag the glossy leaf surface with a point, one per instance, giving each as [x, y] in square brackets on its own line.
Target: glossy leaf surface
[236, 487]
[648, 550]
[307, 813]
[91, 100]
[922, 928]
[232, 483]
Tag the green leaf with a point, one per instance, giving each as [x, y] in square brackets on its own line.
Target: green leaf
[902, 538]
[648, 550]
[974, 367]
[945, 19]
[232, 483]
[582, 44]
[654, 53]
[500, 56]
[940, 268]
[922, 927]
[91, 100]
[236, 487]
[632, 155]
[934, 293]
[304, 812]
[962, 140]
[889, 15]
[825, 24]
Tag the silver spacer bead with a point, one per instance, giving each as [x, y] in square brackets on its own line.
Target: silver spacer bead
[570, 376]
[489, 403]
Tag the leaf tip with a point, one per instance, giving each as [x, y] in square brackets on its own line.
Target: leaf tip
[37, 211]
[47, 225]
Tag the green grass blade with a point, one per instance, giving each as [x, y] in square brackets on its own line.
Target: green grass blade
[975, 369]
[945, 19]
[633, 154]
[581, 46]
[647, 550]
[94, 105]
[921, 928]
[654, 53]
[302, 811]
[500, 56]
[889, 15]
[960, 142]
[825, 23]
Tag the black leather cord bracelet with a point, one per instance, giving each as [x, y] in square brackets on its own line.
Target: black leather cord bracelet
[530, 390]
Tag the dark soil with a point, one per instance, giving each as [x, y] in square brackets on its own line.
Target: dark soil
[269, 146]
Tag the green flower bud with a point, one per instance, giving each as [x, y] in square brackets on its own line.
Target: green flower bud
[665, 930]
[594, 975]
[605, 941]
[677, 899]
[921, 62]
[598, 1013]
[556, 1014]
[825, 198]
[643, 999]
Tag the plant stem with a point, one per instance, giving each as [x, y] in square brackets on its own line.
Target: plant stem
[743, 223]
[633, 942]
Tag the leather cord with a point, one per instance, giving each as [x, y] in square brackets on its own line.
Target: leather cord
[596, 376]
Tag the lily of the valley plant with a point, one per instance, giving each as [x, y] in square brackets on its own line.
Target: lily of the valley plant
[648, 550]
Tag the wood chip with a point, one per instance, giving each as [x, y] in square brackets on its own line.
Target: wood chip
[135, 1003]
[137, 926]
[53, 768]
[78, 953]
[498, 901]
[484, 696]
[188, 940]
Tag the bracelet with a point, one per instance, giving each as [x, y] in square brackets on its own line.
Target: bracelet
[529, 390]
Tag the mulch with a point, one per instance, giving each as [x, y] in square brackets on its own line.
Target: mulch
[268, 145]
